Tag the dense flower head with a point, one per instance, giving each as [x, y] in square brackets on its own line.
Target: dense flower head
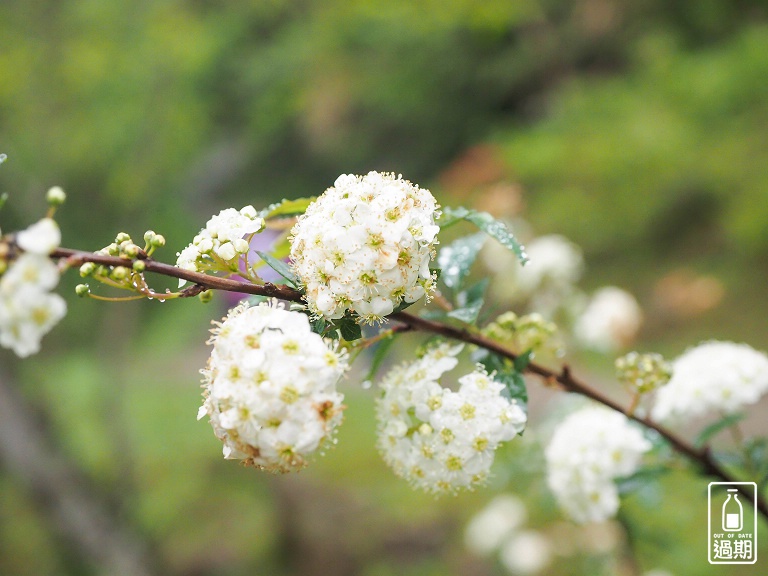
[438, 439]
[270, 387]
[220, 244]
[588, 450]
[643, 372]
[28, 308]
[610, 321]
[365, 246]
[712, 377]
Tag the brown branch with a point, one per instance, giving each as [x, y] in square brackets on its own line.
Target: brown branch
[701, 456]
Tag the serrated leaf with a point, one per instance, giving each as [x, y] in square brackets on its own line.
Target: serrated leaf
[487, 224]
[470, 302]
[350, 330]
[467, 314]
[280, 267]
[318, 325]
[457, 258]
[713, 429]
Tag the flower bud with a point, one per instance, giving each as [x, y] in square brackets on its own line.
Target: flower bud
[139, 266]
[157, 240]
[82, 290]
[119, 273]
[87, 269]
[131, 250]
[148, 235]
[122, 237]
[206, 296]
[643, 372]
[55, 196]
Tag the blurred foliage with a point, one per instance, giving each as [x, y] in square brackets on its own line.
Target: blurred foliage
[637, 128]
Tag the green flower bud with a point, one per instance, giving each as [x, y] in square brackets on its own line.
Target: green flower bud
[139, 266]
[148, 235]
[55, 196]
[131, 250]
[643, 372]
[122, 237]
[206, 296]
[157, 240]
[87, 269]
[119, 273]
[82, 290]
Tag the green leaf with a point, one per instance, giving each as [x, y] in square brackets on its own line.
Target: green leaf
[712, 430]
[469, 313]
[280, 267]
[470, 302]
[457, 258]
[402, 306]
[522, 361]
[318, 325]
[379, 354]
[487, 224]
[350, 330]
[505, 372]
[287, 208]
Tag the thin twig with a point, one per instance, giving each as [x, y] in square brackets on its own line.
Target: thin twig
[701, 456]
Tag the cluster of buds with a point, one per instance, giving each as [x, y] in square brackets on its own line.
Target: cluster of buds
[129, 276]
[528, 332]
[643, 372]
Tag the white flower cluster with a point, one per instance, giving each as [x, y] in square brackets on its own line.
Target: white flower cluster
[270, 387]
[437, 439]
[28, 309]
[588, 450]
[219, 245]
[610, 321]
[712, 377]
[365, 246]
[500, 527]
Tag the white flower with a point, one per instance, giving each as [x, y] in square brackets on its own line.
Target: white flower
[28, 310]
[437, 439]
[610, 321]
[220, 244]
[555, 264]
[493, 525]
[588, 450]
[270, 387]
[365, 246]
[42, 237]
[526, 552]
[712, 377]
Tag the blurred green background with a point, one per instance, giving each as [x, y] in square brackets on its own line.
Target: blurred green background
[638, 129]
